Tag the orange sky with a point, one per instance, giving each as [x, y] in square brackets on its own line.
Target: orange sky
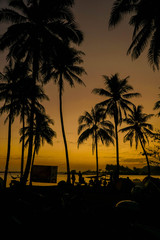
[105, 55]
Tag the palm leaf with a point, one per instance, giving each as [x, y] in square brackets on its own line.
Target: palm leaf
[130, 95]
[126, 129]
[157, 105]
[106, 136]
[129, 137]
[153, 52]
[140, 41]
[84, 136]
[119, 9]
[82, 127]
[9, 15]
[75, 77]
[101, 92]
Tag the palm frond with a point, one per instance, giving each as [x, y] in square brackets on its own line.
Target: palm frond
[84, 136]
[87, 118]
[140, 41]
[9, 15]
[157, 105]
[68, 78]
[137, 139]
[106, 136]
[126, 129]
[82, 127]
[154, 50]
[146, 117]
[149, 131]
[19, 5]
[107, 124]
[101, 92]
[109, 103]
[130, 95]
[129, 137]
[119, 9]
[76, 78]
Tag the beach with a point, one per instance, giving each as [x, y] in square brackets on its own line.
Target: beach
[87, 211]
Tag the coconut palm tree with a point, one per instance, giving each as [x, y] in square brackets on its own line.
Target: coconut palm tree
[24, 94]
[117, 92]
[146, 28]
[64, 67]
[36, 27]
[138, 129]
[7, 94]
[42, 131]
[94, 125]
[21, 79]
[22, 97]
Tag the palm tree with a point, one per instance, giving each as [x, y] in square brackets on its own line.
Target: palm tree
[117, 93]
[64, 66]
[21, 79]
[22, 97]
[7, 94]
[36, 27]
[24, 94]
[93, 124]
[138, 129]
[42, 131]
[146, 28]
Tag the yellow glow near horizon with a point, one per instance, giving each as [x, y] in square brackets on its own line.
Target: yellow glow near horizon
[105, 55]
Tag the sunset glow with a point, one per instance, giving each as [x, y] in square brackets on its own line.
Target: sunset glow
[105, 54]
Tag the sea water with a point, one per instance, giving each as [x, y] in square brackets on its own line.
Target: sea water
[63, 177]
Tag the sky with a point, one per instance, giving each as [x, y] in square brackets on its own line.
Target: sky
[105, 54]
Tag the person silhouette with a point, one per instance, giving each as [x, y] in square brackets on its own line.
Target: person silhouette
[73, 178]
[80, 177]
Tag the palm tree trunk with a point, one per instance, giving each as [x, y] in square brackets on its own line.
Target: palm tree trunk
[22, 156]
[117, 145]
[145, 153]
[8, 150]
[33, 157]
[63, 133]
[29, 157]
[96, 156]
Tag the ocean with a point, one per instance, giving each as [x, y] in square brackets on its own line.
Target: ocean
[61, 177]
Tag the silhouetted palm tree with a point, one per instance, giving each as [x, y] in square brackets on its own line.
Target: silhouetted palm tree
[24, 95]
[146, 28]
[42, 131]
[7, 94]
[138, 129]
[64, 66]
[94, 125]
[37, 26]
[117, 93]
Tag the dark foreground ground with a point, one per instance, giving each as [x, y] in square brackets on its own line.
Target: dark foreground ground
[82, 212]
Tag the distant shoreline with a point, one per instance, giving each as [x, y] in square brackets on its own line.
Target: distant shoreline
[92, 173]
[126, 174]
